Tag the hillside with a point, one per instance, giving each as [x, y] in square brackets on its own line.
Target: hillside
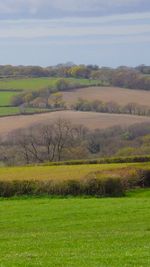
[121, 96]
[10, 88]
[92, 120]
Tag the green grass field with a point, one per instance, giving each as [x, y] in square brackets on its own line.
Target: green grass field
[76, 232]
[9, 88]
[38, 83]
[7, 111]
[10, 111]
[5, 98]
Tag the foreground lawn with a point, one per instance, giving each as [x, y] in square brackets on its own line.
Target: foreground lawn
[76, 232]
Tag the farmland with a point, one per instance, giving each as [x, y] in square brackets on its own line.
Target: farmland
[92, 120]
[37, 83]
[61, 173]
[5, 98]
[12, 87]
[76, 232]
[121, 96]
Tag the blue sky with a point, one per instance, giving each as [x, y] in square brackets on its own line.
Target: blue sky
[103, 32]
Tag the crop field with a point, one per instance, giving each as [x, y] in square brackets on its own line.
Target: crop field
[122, 96]
[76, 232]
[66, 172]
[91, 120]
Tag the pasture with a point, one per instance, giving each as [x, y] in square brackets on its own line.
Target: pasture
[5, 98]
[121, 96]
[12, 87]
[76, 232]
[38, 83]
[91, 120]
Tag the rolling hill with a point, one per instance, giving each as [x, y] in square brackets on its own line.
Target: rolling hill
[121, 96]
[91, 120]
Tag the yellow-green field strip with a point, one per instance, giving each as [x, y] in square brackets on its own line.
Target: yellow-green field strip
[63, 172]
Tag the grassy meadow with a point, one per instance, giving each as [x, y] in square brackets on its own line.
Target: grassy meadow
[75, 232]
[38, 83]
[5, 98]
[12, 87]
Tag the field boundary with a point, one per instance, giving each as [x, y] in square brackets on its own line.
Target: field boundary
[130, 159]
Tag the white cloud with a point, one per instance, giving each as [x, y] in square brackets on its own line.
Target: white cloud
[92, 4]
[76, 27]
[129, 17]
[78, 30]
[38, 31]
[106, 19]
[34, 6]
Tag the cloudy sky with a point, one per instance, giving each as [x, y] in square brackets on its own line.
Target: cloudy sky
[48, 32]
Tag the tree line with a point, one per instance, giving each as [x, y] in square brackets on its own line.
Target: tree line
[111, 107]
[61, 140]
[126, 77]
[47, 97]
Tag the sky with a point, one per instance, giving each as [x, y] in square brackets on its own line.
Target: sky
[48, 32]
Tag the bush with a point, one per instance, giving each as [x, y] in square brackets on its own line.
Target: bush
[11, 188]
[96, 184]
[114, 187]
[144, 178]
[90, 187]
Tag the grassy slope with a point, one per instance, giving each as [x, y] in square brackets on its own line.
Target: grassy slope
[91, 120]
[62, 172]
[27, 84]
[76, 232]
[38, 83]
[7, 111]
[122, 96]
[5, 98]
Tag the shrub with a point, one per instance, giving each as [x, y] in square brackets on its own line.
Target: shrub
[110, 187]
[144, 178]
[114, 187]
[90, 187]
[11, 188]
[95, 184]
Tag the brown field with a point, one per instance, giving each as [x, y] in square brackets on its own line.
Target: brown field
[121, 96]
[91, 120]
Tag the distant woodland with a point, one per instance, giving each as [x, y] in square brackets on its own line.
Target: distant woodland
[133, 78]
[61, 140]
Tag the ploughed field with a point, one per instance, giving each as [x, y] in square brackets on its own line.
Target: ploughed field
[91, 120]
[121, 96]
[76, 232]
